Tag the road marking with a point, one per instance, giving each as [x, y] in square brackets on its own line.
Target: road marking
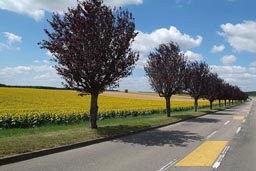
[220, 158]
[168, 165]
[244, 121]
[226, 122]
[238, 130]
[209, 136]
[238, 117]
[204, 155]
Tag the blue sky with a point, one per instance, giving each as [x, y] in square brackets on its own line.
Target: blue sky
[222, 33]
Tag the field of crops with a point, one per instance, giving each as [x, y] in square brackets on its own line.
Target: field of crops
[27, 107]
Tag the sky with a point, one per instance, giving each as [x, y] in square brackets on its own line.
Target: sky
[221, 33]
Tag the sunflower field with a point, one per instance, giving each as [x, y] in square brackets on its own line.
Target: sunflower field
[28, 107]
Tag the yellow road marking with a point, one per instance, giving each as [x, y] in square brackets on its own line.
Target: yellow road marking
[238, 117]
[204, 155]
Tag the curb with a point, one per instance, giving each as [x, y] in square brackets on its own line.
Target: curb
[44, 152]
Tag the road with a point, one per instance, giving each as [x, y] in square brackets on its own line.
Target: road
[201, 144]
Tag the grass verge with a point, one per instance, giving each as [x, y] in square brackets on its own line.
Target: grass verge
[16, 141]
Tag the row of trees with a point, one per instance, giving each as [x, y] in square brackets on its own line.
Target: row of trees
[169, 73]
[91, 45]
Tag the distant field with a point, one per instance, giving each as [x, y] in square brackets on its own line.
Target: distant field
[58, 106]
[145, 96]
[14, 100]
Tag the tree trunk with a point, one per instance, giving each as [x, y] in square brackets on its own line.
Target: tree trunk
[211, 104]
[168, 106]
[225, 102]
[219, 103]
[195, 104]
[229, 102]
[94, 110]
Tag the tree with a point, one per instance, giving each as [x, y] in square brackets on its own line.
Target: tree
[220, 88]
[195, 81]
[165, 70]
[91, 44]
[212, 87]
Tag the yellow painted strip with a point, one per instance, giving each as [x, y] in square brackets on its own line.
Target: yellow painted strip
[238, 117]
[204, 155]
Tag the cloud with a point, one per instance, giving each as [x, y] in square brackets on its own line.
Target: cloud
[253, 64]
[12, 38]
[118, 3]
[191, 56]
[37, 8]
[182, 3]
[228, 59]
[35, 75]
[244, 77]
[216, 48]
[242, 37]
[145, 42]
[13, 71]
[132, 83]
[4, 46]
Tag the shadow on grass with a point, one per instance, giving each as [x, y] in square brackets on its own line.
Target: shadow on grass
[160, 137]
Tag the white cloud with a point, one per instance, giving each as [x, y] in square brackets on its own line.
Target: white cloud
[228, 59]
[118, 3]
[13, 71]
[135, 84]
[253, 64]
[243, 77]
[191, 56]
[4, 46]
[182, 3]
[48, 53]
[41, 75]
[36, 8]
[141, 62]
[145, 42]
[242, 37]
[12, 38]
[216, 48]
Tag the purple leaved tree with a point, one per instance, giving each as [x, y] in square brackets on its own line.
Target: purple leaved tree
[92, 47]
[165, 70]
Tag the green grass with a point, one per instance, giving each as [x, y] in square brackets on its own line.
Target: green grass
[15, 141]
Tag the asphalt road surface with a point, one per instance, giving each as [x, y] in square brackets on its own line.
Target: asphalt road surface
[221, 141]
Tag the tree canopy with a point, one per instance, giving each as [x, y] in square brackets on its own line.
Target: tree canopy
[91, 45]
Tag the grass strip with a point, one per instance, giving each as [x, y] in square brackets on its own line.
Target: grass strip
[16, 141]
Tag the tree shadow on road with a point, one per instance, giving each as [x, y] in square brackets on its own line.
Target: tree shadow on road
[222, 113]
[191, 118]
[204, 120]
[160, 137]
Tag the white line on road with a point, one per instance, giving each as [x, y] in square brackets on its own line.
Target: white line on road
[209, 136]
[226, 122]
[168, 165]
[244, 121]
[220, 158]
[238, 130]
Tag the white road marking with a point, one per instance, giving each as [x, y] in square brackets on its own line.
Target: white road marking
[220, 158]
[209, 136]
[168, 165]
[244, 121]
[238, 130]
[226, 122]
